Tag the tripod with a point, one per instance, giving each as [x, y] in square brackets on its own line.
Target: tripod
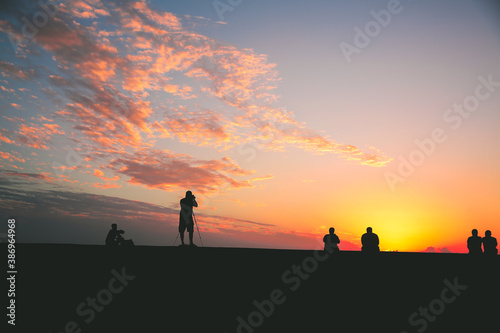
[199, 235]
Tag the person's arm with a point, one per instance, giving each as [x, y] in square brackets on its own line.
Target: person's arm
[195, 204]
[337, 239]
[376, 237]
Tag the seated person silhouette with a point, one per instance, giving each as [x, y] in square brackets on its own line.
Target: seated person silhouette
[489, 244]
[474, 243]
[369, 242]
[115, 238]
[331, 240]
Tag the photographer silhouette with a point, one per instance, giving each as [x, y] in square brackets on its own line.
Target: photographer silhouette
[186, 217]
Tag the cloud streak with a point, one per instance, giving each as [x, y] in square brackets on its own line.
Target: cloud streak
[50, 213]
[113, 79]
[129, 85]
[165, 170]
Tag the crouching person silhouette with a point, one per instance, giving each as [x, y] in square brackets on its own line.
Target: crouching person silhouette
[186, 217]
[331, 241]
[369, 242]
[115, 238]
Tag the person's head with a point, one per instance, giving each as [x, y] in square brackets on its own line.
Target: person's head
[487, 233]
[369, 230]
[332, 230]
[474, 232]
[189, 194]
[114, 226]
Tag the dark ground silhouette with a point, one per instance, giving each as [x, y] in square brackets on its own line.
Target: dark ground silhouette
[172, 289]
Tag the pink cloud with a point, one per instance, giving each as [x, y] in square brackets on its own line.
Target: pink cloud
[15, 71]
[5, 139]
[6, 89]
[82, 9]
[203, 127]
[53, 129]
[100, 174]
[238, 77]
[441, 250]
[10, 157]
[168, 171]
[38, 136]
[105, 185]
[108, 84]
[42, 176]
[33, 136]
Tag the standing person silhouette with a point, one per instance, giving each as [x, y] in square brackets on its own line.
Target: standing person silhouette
[474, 243]
[186, 217]
[369, 241]
[489, 244]
[331, 240]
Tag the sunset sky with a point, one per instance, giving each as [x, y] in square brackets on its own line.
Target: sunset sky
[283, 117]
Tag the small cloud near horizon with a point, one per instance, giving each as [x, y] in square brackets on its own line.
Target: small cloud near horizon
[434, 250]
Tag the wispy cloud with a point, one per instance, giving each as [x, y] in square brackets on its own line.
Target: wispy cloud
[38, 136]
[125, 75]
[11, 157]
[11, 70]
[169, 171]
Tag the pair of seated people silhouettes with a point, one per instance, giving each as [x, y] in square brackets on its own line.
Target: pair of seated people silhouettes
[479, 245]
[369, 241]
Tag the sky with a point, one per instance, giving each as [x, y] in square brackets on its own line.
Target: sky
[284, 118]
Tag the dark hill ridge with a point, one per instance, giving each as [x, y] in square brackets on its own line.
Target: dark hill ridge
[67, 288]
